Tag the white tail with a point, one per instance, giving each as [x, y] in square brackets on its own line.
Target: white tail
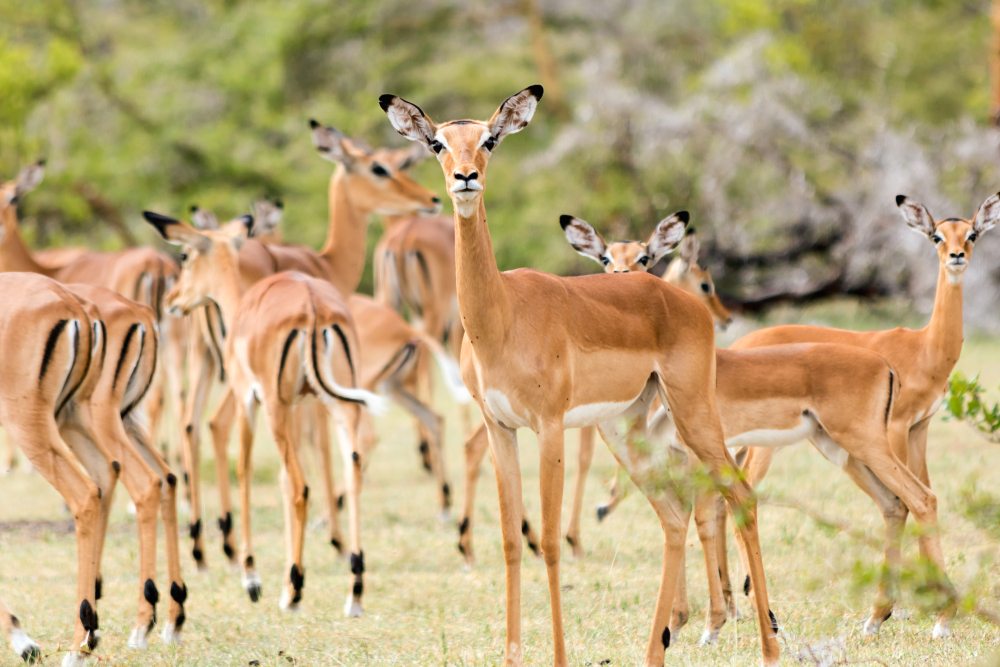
[327, 387]
[450, 371]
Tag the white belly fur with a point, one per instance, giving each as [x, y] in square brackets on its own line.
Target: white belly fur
[773, 438]
[501, 410]
[595, 413]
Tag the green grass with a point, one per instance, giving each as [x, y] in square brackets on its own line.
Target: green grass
[424, 609]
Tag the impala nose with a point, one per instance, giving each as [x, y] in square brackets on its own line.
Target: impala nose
[463, 177]
[958, 255]
[435, 200]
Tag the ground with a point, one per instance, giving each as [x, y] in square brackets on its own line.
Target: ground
[424, 609]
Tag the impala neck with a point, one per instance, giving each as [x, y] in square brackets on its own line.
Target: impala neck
[228, 292]
[346, 239]
[945, 327]
[14, 254]
[482, 295]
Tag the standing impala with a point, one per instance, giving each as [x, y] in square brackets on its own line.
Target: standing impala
[551, 353]
[924, 358]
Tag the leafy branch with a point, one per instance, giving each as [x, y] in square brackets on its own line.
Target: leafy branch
[965, 403]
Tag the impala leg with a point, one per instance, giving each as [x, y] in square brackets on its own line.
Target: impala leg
[696, 417]
[756, 461]
[680, 610]
[43, 446]
[433, 428]
[296, 495]
[584, 458]
[321, 433]
[503, 447]
[221, 426]
[475, 450]
[916, 461]
[202, 368]
[24, 646]
[704, 517]
[417, 383]
[347, 418]
[616, 494]
[173, 367]
[552, 479]
[244, 473]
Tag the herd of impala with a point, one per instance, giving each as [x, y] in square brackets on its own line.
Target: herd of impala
[91, 344]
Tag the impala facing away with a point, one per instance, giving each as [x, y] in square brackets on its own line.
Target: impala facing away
[924, 359]
[551, 353]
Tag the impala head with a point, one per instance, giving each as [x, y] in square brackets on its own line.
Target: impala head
[685, 273]
[267, 217]
[463, 147]
[954, 237]
[207, 255]
[629, 256]
[377, 177]
[27, 180]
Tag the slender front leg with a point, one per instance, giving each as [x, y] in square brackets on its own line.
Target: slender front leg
[202, 367]
[503, 447]
[552, 478]
[704, 518]
[221, 426]
[616, 494]
[24, 646]
[584, 459]
[347, 417]
[244, 473]
[475, 450]
[321, 434]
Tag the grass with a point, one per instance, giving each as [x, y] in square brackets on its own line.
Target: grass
[424, 609]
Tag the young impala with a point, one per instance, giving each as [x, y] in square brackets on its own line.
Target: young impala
[925, 359]
[551, 353]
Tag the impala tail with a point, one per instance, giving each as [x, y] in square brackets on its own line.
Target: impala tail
[322, 344]
[450, 371]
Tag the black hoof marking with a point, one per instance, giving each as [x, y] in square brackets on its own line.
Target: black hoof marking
[179, 621]
[340, 502]
[602, 512]
[254, 591]
[150, 593]
[774, 621]
[570, 541]
[195, 529]
[171, 479]
[178, 594]
[524, 527]
[357, 458]
[297, 577]
[887, 616]
[197, 555]
[446, 492]
[88, 618]
[228, 550]
[461, 549]
[305, 492]
[117, 467]
[189, 429]
[226, 524]
[746, 586]
[98, 586]
[248, 563]
[358, 589]
[31, 655]
[534, 548]
[463, 527]
[336, 544]
[666, 638]
[358, 564]
[186, 479]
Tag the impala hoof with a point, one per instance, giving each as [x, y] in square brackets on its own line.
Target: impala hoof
[708, 637]
[171, 634]
[445, 518]
[353, 608]
[602, 512]
[139, 639]
[75, 659]
[252, 584]
[288, 602]
[872, 627]
[25, 646]
[941, 630]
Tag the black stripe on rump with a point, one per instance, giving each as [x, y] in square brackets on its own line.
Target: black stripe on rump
[347, 350]
[284, 355]
[319, 378]
[50, 347]
[83, 376]
[152, 374]
[121, 356]
[406, 352]
[888, 406]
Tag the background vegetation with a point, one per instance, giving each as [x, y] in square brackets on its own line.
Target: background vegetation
[785, 126]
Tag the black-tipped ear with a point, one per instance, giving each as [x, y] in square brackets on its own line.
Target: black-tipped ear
[683, 216]
[41, 162]
[279, 203]
[385, 100]
[194, 208]
[900, 199]
[161, 222]
[247, 221]
[564, 221]
[537, 91]
[313, 123]
[689, 231]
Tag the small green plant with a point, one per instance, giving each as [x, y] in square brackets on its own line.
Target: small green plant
[965, 403]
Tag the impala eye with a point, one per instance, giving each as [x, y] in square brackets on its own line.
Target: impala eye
[436, 146]
[644, 260]
[489, 144]
[706, 288]
[605, 261]
[972, 237]
[184, 257]
[937, 238]
[379, 170]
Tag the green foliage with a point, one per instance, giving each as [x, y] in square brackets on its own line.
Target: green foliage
[965, 403]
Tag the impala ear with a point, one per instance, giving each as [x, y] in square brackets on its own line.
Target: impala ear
[408, 119]
[689, 248]
[667, 235]
[515, 113]
[30, 178]
[176, 232]
[411, 157]
[238, 230]
[202, 218]
[329, 143]
[267, 217]
[987, 215]
[584, 238]
[916, 216]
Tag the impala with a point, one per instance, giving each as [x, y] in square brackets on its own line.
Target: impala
[603, 346]
[924, 359]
